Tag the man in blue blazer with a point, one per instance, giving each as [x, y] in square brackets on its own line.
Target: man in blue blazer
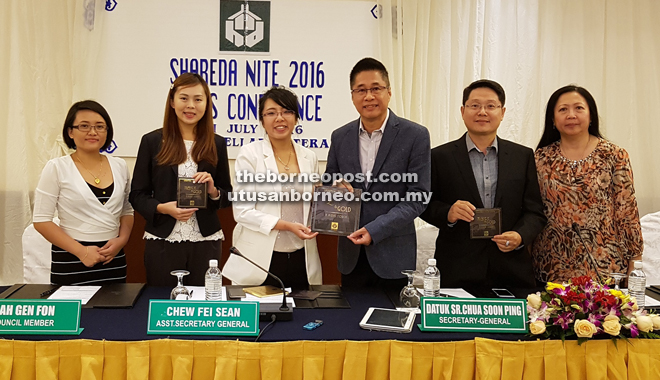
[380, 145]
[481, 170]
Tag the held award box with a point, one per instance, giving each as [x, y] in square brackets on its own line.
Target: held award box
[332, 213]
[190, 194]
[486, 224]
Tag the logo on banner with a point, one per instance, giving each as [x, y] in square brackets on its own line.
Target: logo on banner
[110, 5]
[245, 26]
[112, 147]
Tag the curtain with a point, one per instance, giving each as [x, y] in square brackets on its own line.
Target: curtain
[434, 49]
[47, 63]
[482, 359]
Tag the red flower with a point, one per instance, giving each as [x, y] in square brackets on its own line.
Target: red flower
[572, 297]
[605, 300]
[581, 281]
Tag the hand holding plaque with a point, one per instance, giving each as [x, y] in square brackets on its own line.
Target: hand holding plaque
[486, 224]
[191, 194]
[332, 214]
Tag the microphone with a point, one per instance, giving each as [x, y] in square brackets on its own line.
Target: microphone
[285, 313]
[592, 261]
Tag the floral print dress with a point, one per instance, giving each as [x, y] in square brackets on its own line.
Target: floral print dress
[595, 194]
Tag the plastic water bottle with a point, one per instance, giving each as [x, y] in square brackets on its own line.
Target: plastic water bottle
[213, 282]
[431, 280]
[637, 284]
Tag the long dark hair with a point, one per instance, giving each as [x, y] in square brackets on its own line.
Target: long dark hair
[550, 133]
[173, 150]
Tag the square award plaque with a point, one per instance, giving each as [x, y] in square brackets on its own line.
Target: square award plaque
[332, 214]
[190, 194]
[486, 224]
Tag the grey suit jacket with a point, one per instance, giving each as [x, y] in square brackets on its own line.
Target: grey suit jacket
[404, 148]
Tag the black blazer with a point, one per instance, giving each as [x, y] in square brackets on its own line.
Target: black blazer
[154, 184]
[464, 262]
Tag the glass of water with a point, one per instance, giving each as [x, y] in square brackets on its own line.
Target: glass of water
[409, 295]
[180, 291]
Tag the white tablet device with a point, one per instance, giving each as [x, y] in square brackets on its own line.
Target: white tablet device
[388, 320]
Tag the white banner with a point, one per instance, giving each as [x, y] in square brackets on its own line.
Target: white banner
[311, 48]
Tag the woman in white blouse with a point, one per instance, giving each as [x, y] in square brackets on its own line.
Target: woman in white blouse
[89, 190]
[274, 234]
[186, 147]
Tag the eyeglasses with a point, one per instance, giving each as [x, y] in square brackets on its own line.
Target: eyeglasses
[99, 128]
[375, 91]
[273, 114]
[477, 107]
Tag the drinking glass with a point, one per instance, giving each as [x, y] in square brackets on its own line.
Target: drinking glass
[179, 289]
[409, 296]
[617, 279]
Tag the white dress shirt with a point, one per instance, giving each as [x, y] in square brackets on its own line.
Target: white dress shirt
[369, 144]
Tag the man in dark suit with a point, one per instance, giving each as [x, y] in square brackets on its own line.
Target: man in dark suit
[380, 146]
[481, 170]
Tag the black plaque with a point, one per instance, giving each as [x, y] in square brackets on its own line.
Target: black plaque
[332, 214]
[190, 194]
[486, 224]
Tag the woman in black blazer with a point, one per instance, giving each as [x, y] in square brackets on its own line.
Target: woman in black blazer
[186, 146]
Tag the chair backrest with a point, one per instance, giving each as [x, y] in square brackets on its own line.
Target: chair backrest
[651, 255]
[36, 256]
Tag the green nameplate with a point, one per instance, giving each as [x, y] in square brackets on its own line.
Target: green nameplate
[474, 315]
[40, 317]
[203, 318]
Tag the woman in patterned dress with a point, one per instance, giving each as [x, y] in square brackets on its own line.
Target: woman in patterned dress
[587, 188]
[186, 147]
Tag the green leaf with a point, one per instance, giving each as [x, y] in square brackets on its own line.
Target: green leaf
[649, 335]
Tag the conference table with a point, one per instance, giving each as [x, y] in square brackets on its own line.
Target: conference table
[115, 345]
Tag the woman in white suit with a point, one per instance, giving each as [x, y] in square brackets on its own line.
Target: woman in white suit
[274, 233]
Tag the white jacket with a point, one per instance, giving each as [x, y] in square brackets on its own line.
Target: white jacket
[254, 235]
[62, 188]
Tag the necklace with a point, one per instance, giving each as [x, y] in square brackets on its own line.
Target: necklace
[574, 163]
[286, 166]
[97, 178]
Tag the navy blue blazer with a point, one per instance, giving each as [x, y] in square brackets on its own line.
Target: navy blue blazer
[465, 262]
[154, 184]
[404, 148]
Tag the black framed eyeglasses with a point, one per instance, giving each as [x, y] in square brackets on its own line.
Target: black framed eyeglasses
[273, 114]
[477, 107]
[99, 128]
[378, 90]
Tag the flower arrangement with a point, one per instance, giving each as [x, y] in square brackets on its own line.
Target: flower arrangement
[584, 308]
